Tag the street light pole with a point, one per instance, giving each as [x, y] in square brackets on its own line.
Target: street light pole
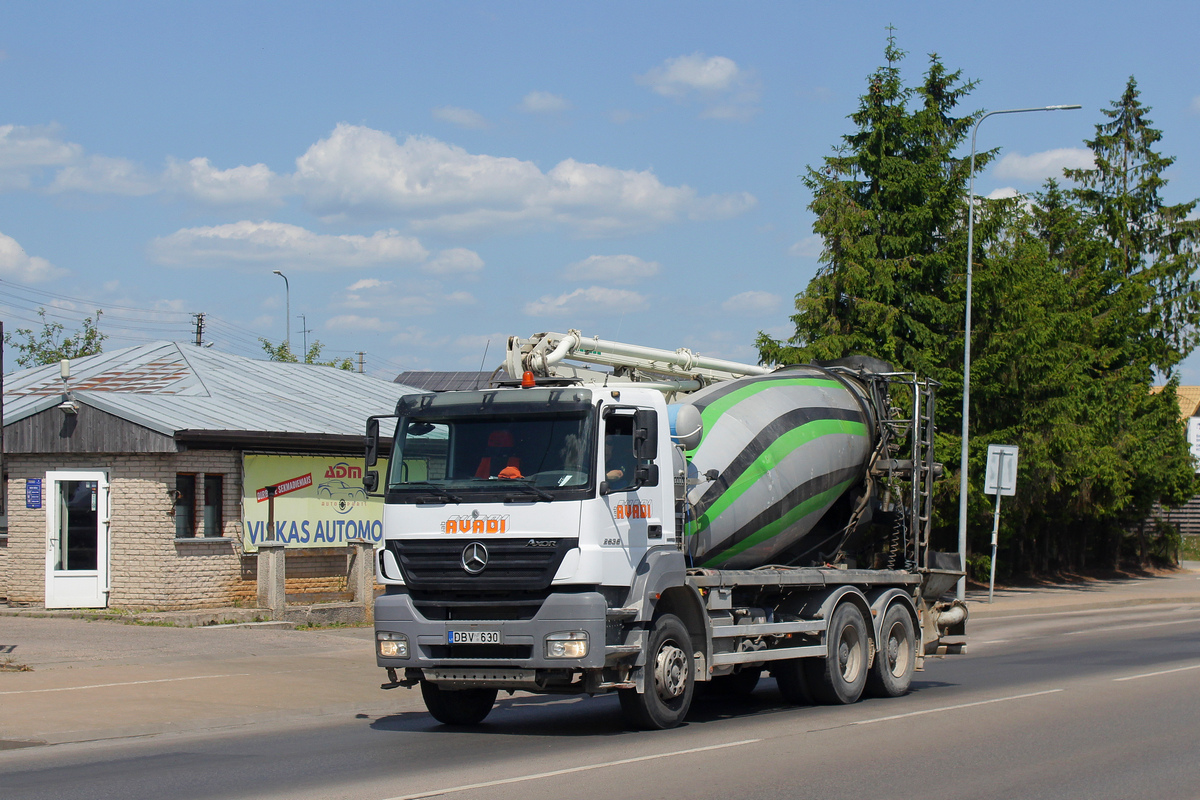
[287, 289]
[966, 399]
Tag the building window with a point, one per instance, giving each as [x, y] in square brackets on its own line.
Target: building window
[212, 505]
[185, 506]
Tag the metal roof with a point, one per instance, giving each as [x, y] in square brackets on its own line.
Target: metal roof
[431, 381]
[171, 387]
[1188, 397]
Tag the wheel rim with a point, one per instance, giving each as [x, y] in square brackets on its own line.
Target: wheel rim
[670, 671]
[897, 650]
[850, 654]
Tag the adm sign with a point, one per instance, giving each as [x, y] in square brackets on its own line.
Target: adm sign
[319, 502]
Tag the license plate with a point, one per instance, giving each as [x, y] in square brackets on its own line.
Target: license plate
[473, 637]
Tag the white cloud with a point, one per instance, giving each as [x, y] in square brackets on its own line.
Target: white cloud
[808, 247]
[25, 150]
[622, 269]
[1048, 164]
[752, 303]
[728, 91]
[104, 175]
[462, 117]
[456, 260]
[419, 297]
[543, 103]
[18, 265]
[367, 283]
[199, 179]
[270, 243]
[442, 186]
[1003, 193]
[593, 299]
[678, 76]
[354, 322]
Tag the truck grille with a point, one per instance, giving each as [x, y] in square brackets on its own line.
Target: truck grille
[512, 564]
[480, 652]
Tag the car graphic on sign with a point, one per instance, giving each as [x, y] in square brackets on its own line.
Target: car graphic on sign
[341, 494]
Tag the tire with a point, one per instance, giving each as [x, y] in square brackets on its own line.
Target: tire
[460, 707]
[839, 678]
[896, 659]
[738, 684]
[670, 679]
[793, 685]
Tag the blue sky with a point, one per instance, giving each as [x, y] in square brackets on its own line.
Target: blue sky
[434, 177]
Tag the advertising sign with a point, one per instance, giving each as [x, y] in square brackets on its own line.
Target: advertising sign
[319, 501]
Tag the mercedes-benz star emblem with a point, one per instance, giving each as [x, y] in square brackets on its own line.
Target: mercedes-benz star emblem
[474, 558]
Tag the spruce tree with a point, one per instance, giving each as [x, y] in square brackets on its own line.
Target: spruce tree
[889, 209]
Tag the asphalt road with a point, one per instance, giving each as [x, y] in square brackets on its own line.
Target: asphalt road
[1079, 705]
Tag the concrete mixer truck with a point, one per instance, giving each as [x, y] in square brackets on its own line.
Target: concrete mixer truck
[616, 518]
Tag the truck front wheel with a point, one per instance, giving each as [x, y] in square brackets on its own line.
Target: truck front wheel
[839, 678]
[461, 707]
[892, 673]
[670, 679]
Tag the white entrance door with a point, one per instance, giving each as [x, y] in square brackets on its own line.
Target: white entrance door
[76, 539]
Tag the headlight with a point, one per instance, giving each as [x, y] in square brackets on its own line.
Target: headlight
[391, 645]
[567, 644]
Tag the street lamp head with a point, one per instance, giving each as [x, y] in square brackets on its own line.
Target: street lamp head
[1063, 108]
[277, 272]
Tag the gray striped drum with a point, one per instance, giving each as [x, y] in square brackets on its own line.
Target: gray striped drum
[785, 446]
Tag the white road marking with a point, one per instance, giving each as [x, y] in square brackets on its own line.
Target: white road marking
[128, 683]
[1160, 672]
[955, 708]
[557, 772]
[1133, 626]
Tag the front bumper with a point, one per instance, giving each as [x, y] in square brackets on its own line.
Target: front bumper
[522, 646]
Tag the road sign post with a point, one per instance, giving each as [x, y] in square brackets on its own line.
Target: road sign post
[1000, 479]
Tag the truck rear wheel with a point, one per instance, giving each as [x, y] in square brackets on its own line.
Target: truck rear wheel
[793, 685]
[738, 684]
[669, 682]
[457, 707]
[892, 673]
[839, 678]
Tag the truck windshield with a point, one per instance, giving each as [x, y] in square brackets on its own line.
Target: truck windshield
[541, 454]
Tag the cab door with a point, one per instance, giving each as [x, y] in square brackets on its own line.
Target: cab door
[77, 539]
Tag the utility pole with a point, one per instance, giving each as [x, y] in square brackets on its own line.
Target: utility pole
[199, 329]
[304, 331]
[361, 357]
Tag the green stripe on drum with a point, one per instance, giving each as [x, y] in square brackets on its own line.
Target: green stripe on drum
[777, 527]
[710, 413]
[780, 449]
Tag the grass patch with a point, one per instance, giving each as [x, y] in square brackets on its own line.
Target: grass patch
[314, 626]
[8, 664]
[1189, 549]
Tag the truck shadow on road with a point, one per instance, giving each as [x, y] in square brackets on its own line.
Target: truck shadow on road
[581, 716]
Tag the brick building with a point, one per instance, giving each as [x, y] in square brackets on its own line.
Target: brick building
[135, 479]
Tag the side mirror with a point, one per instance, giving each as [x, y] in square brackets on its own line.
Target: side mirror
[371, 456]
[371, 481]
[647, 475]
[645, 434]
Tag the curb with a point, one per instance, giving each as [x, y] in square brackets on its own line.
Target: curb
[982, 610]
[292, 616]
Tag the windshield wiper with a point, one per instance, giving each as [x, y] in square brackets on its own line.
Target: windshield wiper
[437, 490]
[537, 490]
